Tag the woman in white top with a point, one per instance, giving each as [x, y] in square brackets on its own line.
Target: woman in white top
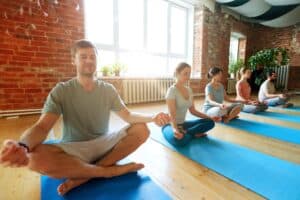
[179, 99]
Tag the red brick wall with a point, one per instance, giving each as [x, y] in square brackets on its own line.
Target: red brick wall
[33, 58]
[217, 28]
[266, 37]
[289, 37]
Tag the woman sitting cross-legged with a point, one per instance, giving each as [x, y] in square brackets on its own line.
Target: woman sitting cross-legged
[179, 99]
[215, 95]
[243, 91]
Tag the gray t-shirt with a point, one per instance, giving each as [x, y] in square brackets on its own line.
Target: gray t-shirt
[182, 104]
[85, 114]
[266, 87]
[217, 95]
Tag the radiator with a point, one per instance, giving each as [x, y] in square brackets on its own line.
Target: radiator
[145, 90]
[282, 76]
[231, 86]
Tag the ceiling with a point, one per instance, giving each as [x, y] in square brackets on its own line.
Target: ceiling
[273, 13]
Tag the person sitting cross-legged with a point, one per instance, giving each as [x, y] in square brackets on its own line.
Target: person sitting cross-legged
[87, 148]
[243, 91]
[267, 93]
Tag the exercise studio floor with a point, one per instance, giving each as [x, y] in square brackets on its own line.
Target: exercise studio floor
[181, 177]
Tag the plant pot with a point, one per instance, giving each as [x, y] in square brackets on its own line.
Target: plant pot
[117, 73]
[232, 75]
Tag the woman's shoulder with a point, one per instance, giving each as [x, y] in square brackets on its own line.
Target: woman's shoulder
[172, 88]
[171, 91]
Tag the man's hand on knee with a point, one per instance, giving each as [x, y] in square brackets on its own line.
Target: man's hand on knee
[13, 155]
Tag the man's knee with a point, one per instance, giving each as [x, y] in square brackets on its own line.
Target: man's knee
[141, 131]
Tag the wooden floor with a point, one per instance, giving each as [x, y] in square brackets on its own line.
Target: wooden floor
[179, 176]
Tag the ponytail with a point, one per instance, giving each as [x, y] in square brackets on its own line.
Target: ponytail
[213, 71]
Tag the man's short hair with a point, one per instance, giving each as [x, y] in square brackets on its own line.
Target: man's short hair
[80, 44]
[271, 72]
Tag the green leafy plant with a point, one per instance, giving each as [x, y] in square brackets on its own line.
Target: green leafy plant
[268, 59]
[234, 67]
[106, 70]
[117, 68]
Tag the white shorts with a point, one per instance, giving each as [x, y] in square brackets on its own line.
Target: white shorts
[92, 150]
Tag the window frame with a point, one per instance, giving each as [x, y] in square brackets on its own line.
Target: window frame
[115, 48]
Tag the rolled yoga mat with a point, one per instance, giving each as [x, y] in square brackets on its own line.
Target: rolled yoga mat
[285, 134]
[268, 176]
[133, 186]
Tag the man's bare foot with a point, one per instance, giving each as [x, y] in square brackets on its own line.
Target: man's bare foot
[69, 184]
[115, 170]
[199, 135]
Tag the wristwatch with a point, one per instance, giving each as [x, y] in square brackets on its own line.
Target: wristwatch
[24, 145]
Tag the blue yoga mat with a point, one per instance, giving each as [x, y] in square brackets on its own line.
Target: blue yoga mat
[294, 108]
[269, 130]
[268, 176]
[133, 186]
[280, 116]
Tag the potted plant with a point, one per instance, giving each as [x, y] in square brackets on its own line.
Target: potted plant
[106, 69]
[266, 60]
[234, 68]
[117, 68]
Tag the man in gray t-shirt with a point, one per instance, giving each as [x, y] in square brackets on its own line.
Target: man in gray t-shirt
[87, 148]
[267, 93]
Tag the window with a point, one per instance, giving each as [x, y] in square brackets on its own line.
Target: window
[157, 26]
[99, 22]
[178, 30]
[131, 24]
[149, 36]
[233, 49]
[237, 47]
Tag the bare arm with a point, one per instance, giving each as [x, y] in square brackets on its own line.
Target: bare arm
[130, 117]
[269, 95]
[38, 132]
[195, 112]
[212, 101]
[14, 155]
[172, 110]
[227, 98]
